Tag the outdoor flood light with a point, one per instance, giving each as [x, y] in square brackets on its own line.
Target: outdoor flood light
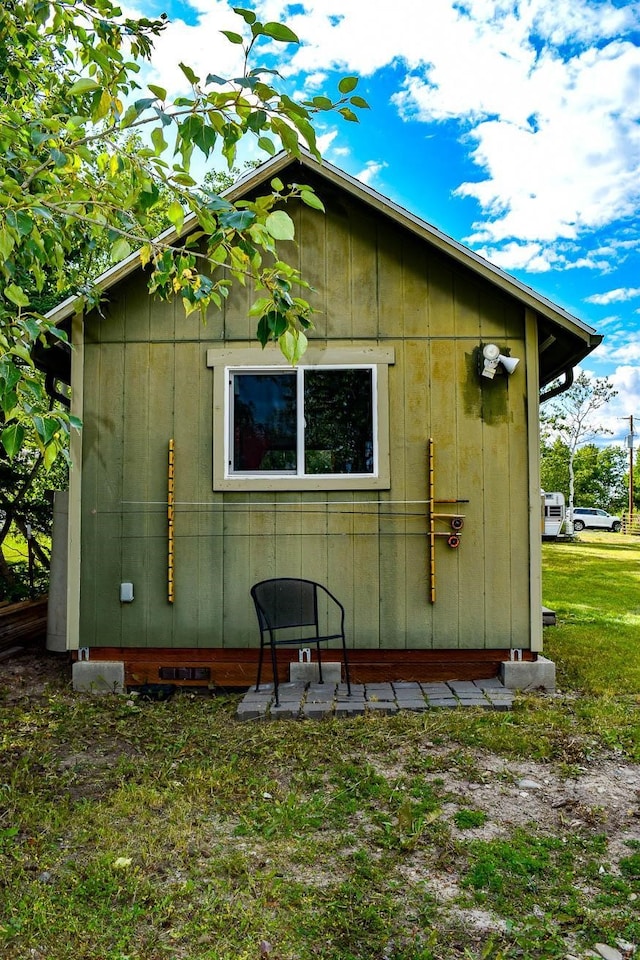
[491, 358]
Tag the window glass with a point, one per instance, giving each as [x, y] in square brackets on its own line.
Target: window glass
[338, 436]
[264, 422]
[305, 422]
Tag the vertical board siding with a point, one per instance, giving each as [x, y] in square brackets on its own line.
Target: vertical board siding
[193, 583]
[146, 380]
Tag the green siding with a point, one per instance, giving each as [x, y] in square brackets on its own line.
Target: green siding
[146, 380]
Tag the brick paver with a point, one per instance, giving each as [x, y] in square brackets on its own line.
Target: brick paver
[316, 701]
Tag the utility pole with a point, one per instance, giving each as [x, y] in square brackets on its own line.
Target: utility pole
[630, 439]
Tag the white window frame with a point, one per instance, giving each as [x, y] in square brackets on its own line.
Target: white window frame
[226, 362]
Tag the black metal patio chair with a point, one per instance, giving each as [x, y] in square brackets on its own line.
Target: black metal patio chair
[287, 603]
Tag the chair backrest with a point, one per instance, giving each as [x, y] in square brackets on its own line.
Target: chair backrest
[286, 602]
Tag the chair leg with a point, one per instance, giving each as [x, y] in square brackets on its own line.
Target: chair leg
[346, 666]
[259, 665]
[274, 664]
[320, 680]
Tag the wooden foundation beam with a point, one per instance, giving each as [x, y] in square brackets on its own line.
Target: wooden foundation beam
[191, 667]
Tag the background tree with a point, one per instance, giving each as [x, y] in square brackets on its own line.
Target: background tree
[26, 488]
[26, 516]
[600, 475]
[68, 182]
[554, 466]
[571, 419]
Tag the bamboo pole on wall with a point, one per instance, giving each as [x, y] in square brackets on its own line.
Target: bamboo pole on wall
[432, 524]
[170, 517]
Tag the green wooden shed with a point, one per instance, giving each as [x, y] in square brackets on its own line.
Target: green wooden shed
[397, 464]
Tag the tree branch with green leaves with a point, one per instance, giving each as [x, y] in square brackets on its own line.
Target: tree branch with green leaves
[70, 98]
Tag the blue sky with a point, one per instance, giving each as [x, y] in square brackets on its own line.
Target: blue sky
[514, 127]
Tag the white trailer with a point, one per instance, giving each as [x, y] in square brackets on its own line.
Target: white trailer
[554, 515]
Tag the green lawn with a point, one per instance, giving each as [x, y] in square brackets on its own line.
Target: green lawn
[593, 584]
[132, 830]
[15, 549]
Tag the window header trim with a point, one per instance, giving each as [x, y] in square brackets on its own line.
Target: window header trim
[313, 357]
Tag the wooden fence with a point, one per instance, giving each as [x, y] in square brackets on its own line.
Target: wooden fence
[632, 527]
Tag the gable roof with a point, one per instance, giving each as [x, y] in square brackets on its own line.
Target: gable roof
[564, 340]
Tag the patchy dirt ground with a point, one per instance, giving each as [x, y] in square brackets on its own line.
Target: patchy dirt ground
[602, 794]
[26, 676]
[512, 794]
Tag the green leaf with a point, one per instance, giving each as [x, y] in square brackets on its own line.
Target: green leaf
[8, 401]
[347, 84]
[280, 225]
[38, 136]
[50, 455]
[247, 15]
[83, 85]
[312, 200]
[322, 103]
[189, 74]
[260, 306]
[7, 244]
[348, 114]
[17, 295]
[175, 213]
[130, 116]
[58, 157]
[231, 36]
[277, 185]
[183, 180]
[144, 104]
[307, 132]
[158, 140]
[288, 136]
[12, 438]
[32, 327]
[164, 118]
[120, 250]
[262, 331]
[160, 92]
[46, 427]
[293, 344]
[280, 32]
[237, 219]
[267, 145]
[277, 323]
[20, 221]
[190, 306]
[20, 350]
[359, 102]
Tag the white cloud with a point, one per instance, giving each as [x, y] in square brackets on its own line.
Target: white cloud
[626, 380]
[202, 47]
[614, 296]
[325, 140]
[517, 256]
[546, 93]
[621, 345]
[546, 89]
[577, 168]
[371, 170]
